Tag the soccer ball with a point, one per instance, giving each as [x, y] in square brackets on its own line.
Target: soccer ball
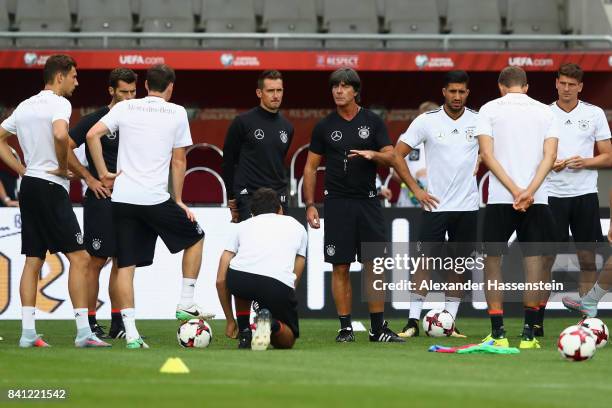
[599, 329]
[194, 333]
[577, 343]
[438, 323]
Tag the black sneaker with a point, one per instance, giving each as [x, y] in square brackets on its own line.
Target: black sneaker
[244, 339]
[117, 330]
[345, 335]
[538, 330]
[255, 306]
[386, 335]
[99, 331]
[411, 329]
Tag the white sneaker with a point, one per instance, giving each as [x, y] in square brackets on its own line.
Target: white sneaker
[192, 312]
[261, 336]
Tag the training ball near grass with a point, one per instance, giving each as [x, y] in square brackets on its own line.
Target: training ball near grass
[599, 329]
[438, 323]
[194, 333]
[577, 343]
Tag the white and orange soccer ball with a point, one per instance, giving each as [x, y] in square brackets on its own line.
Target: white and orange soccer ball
[438, 323]
[577, 343]
[599, 329]
[194, 333]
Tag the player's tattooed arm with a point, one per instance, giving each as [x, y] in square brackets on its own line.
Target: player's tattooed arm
[95, 149]
[75, 166]
[225, 298]
[427, 200]
[6, 155]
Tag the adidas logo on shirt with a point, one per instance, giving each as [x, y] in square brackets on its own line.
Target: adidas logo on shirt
[455, 131]
[568, 122]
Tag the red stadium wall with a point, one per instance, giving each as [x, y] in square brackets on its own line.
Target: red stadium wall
[217, 96]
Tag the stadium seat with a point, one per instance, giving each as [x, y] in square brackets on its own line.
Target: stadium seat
[205, 155]
[534, 17]
[291, 16]
[204, 186]
[229, 16]
[5, 24]
[43, 16]
[319, 189]
[412, 17]
[474, 17]
[351, 17]
[110, 16]
[168, 16]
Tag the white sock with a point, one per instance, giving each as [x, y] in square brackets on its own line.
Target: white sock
[595, 294]
[187, 292]
[28, 319]
[129, 321]
[416, 305]
[452, 305]
[82, 323]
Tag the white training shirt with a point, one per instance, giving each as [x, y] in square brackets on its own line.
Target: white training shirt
[518, 125]
[150, 128]
[451, 148]
[267, 245]
[32, 122]
[579, 130]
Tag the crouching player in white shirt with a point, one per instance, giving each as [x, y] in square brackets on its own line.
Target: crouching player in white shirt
[263, 261]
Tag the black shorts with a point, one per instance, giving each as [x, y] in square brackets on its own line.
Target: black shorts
[461, 226]
[270, 293]
[581, 215]
[243, 202]
[99, 230]
[138, 226]
[47, 220]
[349, 223]
[533, 228]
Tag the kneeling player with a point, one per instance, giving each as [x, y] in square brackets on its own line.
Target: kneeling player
[263, 262]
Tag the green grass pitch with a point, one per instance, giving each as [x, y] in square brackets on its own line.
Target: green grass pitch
[317, 373]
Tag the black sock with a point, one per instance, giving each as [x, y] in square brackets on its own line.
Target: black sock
[116, 318]
[243, 320]
[531, 316]
[497, 322]
[92, 319]
[376, 321]
[275, 326]
[345, 321]
[541, 311]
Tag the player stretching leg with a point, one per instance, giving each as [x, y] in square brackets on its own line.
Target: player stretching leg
[154, 135]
